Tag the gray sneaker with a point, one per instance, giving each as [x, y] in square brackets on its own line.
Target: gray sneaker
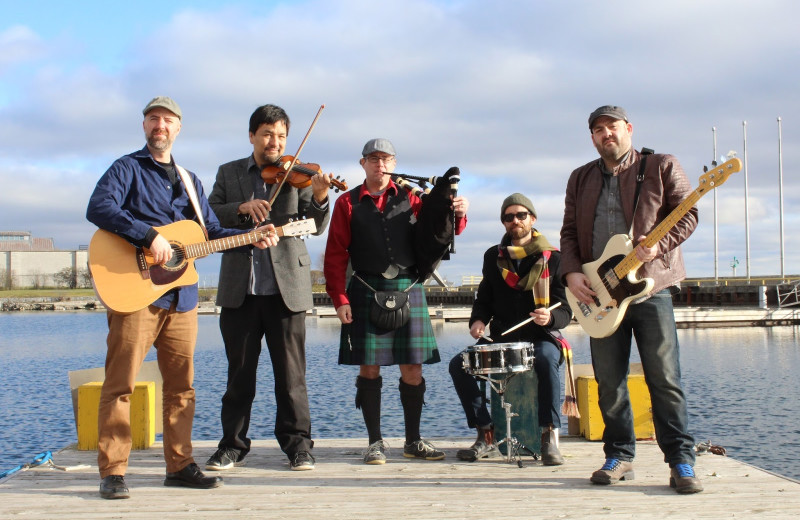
[376, 453]
[421, 449]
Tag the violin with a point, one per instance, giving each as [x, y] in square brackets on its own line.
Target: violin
[299, 176]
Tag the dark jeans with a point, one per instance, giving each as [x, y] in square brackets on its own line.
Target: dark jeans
[547, 358]
[242, 329]
[652, 324]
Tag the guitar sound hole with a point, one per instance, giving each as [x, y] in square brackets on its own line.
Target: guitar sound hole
[177, 260]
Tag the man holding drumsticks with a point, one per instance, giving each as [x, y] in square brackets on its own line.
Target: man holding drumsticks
[520, 282]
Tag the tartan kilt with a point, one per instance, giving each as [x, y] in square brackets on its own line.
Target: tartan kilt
[361, 343]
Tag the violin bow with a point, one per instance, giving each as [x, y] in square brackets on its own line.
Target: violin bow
[296, 155]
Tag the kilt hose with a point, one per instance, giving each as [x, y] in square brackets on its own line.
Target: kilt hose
[361, 343]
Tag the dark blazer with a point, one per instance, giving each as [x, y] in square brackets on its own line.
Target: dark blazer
[290, 259]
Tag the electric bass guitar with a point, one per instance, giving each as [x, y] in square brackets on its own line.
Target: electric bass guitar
[126, 278]
[613, 275]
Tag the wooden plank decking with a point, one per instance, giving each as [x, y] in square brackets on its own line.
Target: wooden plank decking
[342, 487]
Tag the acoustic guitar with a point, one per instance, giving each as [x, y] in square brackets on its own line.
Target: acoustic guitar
[613, 275]
[126, 279]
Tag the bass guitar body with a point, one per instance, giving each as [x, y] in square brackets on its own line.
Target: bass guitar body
[602, 317]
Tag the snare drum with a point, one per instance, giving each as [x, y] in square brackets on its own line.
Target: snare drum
[498, 358]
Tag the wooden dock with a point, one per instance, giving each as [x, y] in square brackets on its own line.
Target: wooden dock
[342, 487]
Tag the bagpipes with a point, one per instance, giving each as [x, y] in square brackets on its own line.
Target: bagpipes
[434, 235]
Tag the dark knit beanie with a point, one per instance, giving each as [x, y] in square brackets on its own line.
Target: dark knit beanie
[520, 199]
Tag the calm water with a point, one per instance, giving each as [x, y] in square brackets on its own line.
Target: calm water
[740, 383]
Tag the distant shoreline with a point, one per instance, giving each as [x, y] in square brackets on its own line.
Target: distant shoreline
[686, 317]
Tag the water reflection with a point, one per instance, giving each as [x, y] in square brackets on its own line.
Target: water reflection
[739, 382]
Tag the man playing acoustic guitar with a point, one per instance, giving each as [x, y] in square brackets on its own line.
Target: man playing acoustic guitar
[604, 199]
[139, 192]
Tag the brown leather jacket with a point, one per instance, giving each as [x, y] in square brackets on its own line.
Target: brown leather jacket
[665, 186]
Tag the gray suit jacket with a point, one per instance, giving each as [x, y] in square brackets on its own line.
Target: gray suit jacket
[290, 259]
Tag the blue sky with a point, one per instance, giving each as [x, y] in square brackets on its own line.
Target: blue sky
[500, 89]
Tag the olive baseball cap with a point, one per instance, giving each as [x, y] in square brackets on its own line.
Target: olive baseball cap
[610, 111]
[163, 102]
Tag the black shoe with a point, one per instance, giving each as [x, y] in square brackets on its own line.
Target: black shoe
[113, 486]
[222, 459]
[302, 461]
[192, 477]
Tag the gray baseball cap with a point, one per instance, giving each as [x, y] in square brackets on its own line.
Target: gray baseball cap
[610, 111]
[378, 145]
[163, 102]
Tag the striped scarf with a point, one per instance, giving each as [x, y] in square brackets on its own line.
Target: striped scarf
[537, 280]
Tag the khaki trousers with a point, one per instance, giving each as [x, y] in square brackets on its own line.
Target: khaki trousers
[130, 337]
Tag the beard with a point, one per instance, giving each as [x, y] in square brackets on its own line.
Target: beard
[612, 150]
[160, 142]
[519, 232]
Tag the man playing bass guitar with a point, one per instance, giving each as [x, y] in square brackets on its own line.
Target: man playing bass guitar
[604, 199]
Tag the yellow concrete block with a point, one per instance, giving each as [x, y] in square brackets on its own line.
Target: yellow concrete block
[591, 422]
[143, 417]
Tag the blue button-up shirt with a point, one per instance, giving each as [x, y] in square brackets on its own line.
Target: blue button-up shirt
[136, 194]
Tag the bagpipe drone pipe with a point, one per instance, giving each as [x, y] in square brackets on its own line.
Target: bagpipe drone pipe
[434, 231]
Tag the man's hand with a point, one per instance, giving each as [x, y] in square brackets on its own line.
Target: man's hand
[345, 314]
[580, 287]
[460, 206]
[541, 316]
[258, 209]
[161, 250]
[643, 253]
[269, 237]
[321, 183]
[478, 329]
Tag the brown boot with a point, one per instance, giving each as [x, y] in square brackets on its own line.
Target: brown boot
[551, 456]
[613, 471]
[483, 447]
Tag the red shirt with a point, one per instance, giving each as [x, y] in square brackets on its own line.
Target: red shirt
[336, 254]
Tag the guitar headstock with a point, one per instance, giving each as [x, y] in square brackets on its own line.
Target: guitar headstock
[718, 175]
[305, 226]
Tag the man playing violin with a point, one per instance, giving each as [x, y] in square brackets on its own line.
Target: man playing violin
[371, 227]
[520, 281]
[266, 295]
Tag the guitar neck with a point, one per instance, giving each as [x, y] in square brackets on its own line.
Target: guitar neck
[631, 262]
[200, 249]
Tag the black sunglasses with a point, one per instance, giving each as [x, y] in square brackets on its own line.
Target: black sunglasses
[520, 215]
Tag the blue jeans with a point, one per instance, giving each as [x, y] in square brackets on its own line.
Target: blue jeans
[547, 358]
[652, 324]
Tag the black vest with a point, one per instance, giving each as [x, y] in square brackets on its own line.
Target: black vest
[381, 239]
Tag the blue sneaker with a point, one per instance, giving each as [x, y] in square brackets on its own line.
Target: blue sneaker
[683, 479]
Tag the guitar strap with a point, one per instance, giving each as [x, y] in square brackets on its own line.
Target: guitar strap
[639, 179]
[192, 192]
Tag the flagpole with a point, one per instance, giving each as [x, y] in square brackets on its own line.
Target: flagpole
[716, 233]
[746, 207]
[780, 192]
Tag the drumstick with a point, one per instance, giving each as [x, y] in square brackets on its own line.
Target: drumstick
[523, 322]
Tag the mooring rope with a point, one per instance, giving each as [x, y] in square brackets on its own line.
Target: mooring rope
[45, 458]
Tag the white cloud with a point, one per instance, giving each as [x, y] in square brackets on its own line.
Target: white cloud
[501, 90]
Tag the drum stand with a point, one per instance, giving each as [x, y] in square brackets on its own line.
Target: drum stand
[513, 446]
